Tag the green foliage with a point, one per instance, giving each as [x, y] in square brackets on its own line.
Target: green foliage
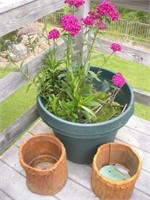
[134, 15]
[70, 94]
[136, 74]
[15, 105]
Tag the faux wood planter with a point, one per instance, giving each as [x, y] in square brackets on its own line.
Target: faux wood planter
[43, 158]
[113, 153]
[82, 140]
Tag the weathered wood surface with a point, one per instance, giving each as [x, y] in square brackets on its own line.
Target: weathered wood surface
[11, 4]
[14, 80]
[21, 124]
[142, 5]
[4, 196]
[142, 97]
[12, 182]
[20, 16]
[129, 51]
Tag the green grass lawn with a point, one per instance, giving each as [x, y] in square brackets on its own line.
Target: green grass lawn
[5, 71]
[15, 105]
[137, 76]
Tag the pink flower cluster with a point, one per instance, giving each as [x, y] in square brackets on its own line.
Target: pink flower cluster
[76, 3]
[53, 34]
[88, 20]
[107, 8]
[70, 24]
[118, 80]
[93, 14]
[101, 25]
[115, 47]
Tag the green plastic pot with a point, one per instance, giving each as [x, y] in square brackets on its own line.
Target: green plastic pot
[82, 140]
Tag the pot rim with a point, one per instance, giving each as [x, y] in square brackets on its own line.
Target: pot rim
[91, 124]
[27, 166]
[80, 124]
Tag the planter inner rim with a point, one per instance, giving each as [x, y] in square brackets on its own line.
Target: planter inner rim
[120, 182]
[80, 124]
[56, 141]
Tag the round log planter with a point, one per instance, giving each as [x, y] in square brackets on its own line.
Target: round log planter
[112, 153]
[43, 157]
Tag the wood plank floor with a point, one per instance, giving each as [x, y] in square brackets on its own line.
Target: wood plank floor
[13, 181]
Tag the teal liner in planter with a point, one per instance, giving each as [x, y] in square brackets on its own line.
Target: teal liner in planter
[110, 172]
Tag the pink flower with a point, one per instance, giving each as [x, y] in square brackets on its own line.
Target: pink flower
[101, 25]
[115, 47]
[88, 21]
[70, 24]
[53, 34]
[118, 80]
[106, 8]
[93, 14]
[76, 3]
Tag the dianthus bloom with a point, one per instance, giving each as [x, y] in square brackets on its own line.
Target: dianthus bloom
[70, 24]
[118, 80]
[107, 8]
[115, 47]
[89, 21]
[101, 25]
[76, 3]
[53, 34]
[93, 14]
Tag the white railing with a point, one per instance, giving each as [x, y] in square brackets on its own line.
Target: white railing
[130, 30]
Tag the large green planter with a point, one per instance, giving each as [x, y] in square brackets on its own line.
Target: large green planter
[81, 140]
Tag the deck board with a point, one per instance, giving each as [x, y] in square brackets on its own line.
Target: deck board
[4, 196]
[78, 187]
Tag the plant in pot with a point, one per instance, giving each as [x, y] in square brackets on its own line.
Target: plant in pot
[84, 105]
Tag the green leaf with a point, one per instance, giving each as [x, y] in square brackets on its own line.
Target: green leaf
[89, 111]
[94, 75]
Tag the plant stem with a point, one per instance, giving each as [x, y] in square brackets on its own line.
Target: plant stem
[115, 94]
[20, 70]
[107, 59]
[87, 64]
[45, 27]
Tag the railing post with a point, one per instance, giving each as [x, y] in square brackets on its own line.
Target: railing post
[81, 13]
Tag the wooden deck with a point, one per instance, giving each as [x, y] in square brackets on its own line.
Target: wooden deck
[13, 181]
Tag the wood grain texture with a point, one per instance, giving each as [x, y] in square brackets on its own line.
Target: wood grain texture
[142, 5]
[134, 138]
[14, 184]
[20, 16]
[14, 130]
[4, 196]
[139, 124]
[145, 156]
[129, 51]
[11, 4]
[79, 182]
[142, 97]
